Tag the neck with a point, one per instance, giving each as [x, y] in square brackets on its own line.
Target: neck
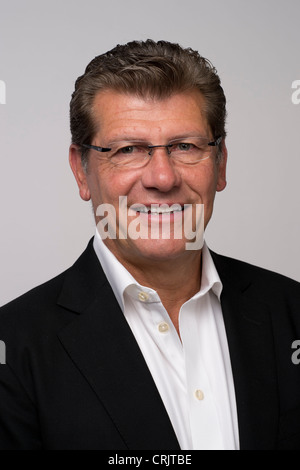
[175, 280]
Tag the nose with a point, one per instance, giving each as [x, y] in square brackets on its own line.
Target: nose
[160, 173]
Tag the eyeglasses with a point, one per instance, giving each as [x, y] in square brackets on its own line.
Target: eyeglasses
[136, 154]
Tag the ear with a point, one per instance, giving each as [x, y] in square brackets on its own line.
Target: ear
[79, 172]
[221, 181]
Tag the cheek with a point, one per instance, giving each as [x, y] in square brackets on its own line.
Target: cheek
[106, 185]
[203, 182]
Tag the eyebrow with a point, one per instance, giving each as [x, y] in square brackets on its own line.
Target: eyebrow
[187, 136]
[178, 137]
[127, 138]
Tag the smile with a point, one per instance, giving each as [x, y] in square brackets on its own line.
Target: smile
[156, 209]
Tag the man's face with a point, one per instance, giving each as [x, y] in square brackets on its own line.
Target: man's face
[122, 117]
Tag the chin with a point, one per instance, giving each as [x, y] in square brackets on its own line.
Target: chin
[160, 250]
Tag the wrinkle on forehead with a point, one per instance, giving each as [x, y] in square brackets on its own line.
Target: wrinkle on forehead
[118, 115]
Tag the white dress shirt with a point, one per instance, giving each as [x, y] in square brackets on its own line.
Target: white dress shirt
[193, 376]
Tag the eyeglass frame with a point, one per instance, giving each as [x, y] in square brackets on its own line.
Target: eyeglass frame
[213, 143]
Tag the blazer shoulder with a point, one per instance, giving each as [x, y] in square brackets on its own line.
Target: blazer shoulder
[244, 273]
[40, 305]
[31, 308]
[243, 269]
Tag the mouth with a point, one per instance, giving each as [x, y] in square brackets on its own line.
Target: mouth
[157, 209]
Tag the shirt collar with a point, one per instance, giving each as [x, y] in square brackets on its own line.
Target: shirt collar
[210, 278]
[121, 280]
[117, 275]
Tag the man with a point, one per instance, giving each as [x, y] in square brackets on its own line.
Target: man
[149, 341]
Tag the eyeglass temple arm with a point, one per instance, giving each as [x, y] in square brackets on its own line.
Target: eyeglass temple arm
[94, 147]
[216, 142]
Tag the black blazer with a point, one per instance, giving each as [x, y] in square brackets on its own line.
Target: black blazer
[75, 377]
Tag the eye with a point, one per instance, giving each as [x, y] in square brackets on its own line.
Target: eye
[185, 147]
[127, 150]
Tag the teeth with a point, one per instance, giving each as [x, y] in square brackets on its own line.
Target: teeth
[160, 210]
[145, 210]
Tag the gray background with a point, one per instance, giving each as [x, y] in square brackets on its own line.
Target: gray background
[45, 45]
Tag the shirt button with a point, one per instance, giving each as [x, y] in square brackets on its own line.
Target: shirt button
[163, 327]
[199, 395]
[143, 296]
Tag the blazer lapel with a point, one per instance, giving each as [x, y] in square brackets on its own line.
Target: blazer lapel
[104, 349]
[249, 332]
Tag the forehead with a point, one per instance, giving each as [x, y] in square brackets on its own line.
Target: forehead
[118, 113]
